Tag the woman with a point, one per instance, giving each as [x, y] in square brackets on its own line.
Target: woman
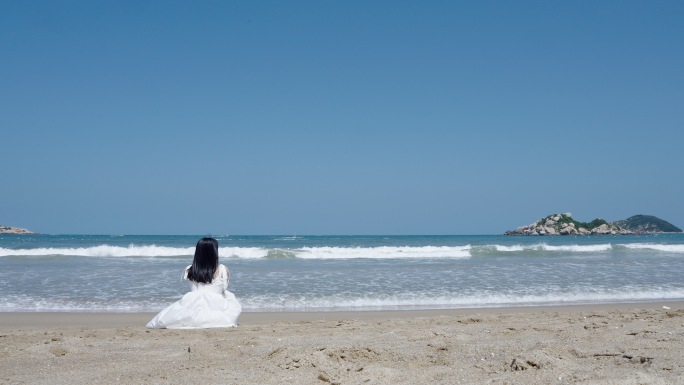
[209, 304]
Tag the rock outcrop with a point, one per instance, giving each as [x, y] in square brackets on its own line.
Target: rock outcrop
[563, 224]
[13, 230]
[647, 224]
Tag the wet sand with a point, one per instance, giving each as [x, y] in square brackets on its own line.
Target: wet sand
[599, 344]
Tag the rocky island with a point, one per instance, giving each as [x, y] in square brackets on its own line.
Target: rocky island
[13, 230]
[564, 224]
[648, 224]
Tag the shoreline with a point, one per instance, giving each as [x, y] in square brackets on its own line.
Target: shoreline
[59, 320]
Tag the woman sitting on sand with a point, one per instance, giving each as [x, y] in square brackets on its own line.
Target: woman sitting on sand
[209, 304]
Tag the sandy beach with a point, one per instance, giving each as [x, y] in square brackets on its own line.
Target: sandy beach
[599, 344]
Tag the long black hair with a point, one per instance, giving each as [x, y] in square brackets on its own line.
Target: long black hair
[205, 262]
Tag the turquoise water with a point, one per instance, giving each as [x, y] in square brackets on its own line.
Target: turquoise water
[329, 273]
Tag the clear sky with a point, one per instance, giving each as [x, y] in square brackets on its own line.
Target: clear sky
[338, 117]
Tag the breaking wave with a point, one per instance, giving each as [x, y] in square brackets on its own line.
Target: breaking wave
[335, 252]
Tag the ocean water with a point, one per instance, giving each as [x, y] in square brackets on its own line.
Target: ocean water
[349, 273]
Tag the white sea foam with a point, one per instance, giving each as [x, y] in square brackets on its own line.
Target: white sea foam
[579, 248]
[132, 251]
[508, 249]
[242, 252]
[384, 252]
[334, 252]
[103, 251]
[276, 302]
[38, 304]
[545, 247]
[332, 303]
[251, 252]
[288, 238]
[656, 247]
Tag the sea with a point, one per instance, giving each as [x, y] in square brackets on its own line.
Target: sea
[299, 273]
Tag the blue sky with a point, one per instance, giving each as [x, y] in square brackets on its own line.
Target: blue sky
[330, 117]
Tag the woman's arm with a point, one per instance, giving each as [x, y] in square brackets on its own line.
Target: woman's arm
[225, 273]
[185, 273]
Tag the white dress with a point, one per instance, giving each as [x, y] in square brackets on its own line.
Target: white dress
[207, 305]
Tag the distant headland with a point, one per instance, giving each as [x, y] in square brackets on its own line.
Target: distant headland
[13, 230]
[564, 224]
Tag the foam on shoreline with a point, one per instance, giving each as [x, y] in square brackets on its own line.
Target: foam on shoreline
[59, 320]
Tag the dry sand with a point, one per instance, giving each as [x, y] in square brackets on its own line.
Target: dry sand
[602, 344]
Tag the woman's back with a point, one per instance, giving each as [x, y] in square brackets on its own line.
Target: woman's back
[219, 283]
